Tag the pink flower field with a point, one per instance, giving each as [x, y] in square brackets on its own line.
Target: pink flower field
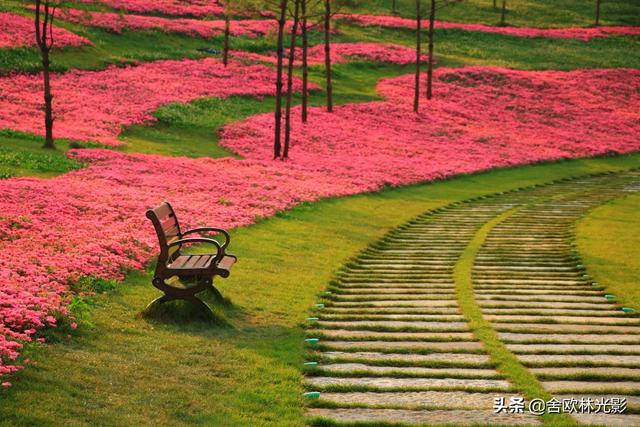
[198, 8]
[583, 34]
[18, 31]
[482, 117]
[194, 27]
[344, 52]
[95, 105]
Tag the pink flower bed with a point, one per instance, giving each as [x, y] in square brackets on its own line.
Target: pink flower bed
[344, 52]
[18, 31]
[91, 221]
[116, 22]
[95, 105]
[167, 7]
[584, 34]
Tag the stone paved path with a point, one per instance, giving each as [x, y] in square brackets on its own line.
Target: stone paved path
[392, 343]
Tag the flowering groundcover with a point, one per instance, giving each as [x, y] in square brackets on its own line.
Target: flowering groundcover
[343, 52]
[19, 31]
[168, 7]
[195, 27]
[91, 221]
[94, 105]
[584, 34]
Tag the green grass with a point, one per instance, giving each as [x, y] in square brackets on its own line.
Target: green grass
[454, 48]
[128, 370]
[609, 242]
[531, 13]
[23, 155]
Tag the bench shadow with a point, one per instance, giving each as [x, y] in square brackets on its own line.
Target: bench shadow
[211, 310]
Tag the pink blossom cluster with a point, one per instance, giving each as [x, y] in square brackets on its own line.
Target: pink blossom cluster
[344, 52]
[584, 34]
[167, 7]
[91, 221]
[118, 22]
[18, 31]
[95, 105]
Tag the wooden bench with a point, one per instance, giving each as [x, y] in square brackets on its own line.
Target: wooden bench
[174, 262]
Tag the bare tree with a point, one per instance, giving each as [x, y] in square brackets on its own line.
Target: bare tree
[416, 98]
[227, 33]
[432, 21]
[435, 5]
[503, 13]
[598, 2]
[394, 7]
[292, 50]
[277, 146]
[305, 61]
[44, 14]
[327, 53]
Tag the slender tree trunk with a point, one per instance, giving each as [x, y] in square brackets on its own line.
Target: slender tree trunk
[327, 53]
[394, 7]
[416, 97]
[48, 102]
[305, 62]
[292, 56]
[44, 40]
[597, 12]
[280, 52]
[432, 20]
[495, 4]
[503, 14]
[227, 32]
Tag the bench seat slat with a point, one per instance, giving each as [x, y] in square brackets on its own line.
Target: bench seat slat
[204, 261]
[226, 262]
[192, 261]
[180, 261]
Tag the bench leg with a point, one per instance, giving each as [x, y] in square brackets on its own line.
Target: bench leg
[161, 300]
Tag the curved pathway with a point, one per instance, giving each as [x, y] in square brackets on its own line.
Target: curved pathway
[470, 302]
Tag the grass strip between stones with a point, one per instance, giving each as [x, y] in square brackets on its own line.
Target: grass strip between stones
[506, 361]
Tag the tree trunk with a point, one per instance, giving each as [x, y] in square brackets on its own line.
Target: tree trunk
[227, 32]
[416, 97]
[432, 20]
[305, 62]
[48, 102]
[394, 6]
[327, 53]
[292, 55]
[495, 4]
[280, 52]
[503, 14]
[597, 12]
[44, 40]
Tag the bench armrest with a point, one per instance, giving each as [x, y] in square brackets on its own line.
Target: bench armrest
[219, 251]
[210, 229]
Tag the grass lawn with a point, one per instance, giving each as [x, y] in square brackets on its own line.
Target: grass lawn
[520, 13]
[609, 241]
[245, 369]
[23, 155]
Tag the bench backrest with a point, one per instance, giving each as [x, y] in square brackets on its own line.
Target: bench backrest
[167, 228]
